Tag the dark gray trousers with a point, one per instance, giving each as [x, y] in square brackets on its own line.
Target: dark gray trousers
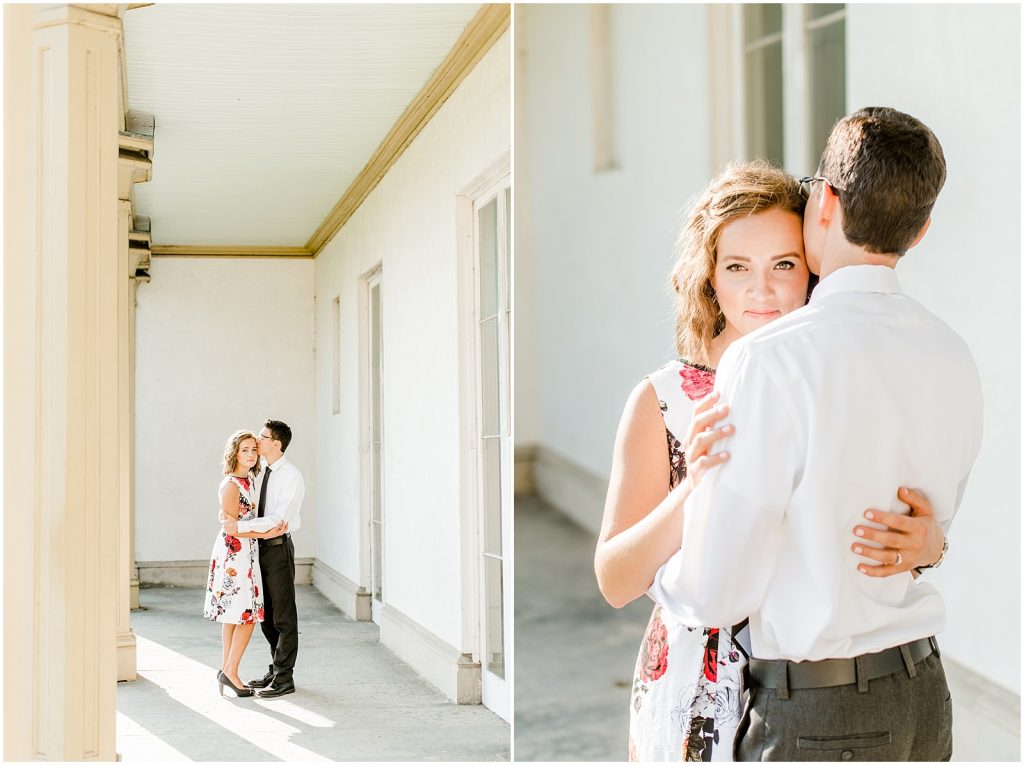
[898, 718]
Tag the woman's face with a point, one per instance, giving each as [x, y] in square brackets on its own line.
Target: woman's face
[247, 454]
[760, 273]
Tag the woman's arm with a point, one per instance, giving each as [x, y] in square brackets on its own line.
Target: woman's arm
[643, 521]
[229, 508]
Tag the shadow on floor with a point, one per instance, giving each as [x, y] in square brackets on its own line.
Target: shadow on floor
[355, 699]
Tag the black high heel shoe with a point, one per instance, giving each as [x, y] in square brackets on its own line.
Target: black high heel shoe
[223, 680]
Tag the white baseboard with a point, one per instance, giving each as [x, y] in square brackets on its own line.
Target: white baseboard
[574, 490]
[455, 673]
[525, 458]
[195, 573]
[986, 717]
[352, 599]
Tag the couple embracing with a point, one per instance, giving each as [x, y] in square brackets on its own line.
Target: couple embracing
[782, 490]
[252, 571]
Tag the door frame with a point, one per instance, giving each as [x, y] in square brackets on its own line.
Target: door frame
[469, 494]
[367, 279]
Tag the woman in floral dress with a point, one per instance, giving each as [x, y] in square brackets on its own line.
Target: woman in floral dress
[740, 266]
[232, 592]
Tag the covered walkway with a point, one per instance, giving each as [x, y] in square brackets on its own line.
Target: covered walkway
[355, 699]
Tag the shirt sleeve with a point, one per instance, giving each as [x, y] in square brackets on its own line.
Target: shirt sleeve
[733, 520]
[289, 499]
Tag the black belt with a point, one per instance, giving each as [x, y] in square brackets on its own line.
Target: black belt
[275, 541]
[829, 673]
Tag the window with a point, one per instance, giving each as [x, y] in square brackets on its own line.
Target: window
[792, 80]
[602, 93]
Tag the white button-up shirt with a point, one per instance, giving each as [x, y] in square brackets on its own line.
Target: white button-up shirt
[285, 491]
[835, 406]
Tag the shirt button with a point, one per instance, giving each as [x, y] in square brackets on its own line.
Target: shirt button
[847, 754]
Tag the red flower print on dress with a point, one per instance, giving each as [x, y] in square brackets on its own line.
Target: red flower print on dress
[654, 657]
[697, 382]
[232, 543]
[247, 616]
[711, 656]
[259, 613]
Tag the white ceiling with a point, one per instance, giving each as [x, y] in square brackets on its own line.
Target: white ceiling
[266, 113]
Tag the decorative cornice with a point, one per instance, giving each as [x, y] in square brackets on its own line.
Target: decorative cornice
[233, 251]
[489, 23]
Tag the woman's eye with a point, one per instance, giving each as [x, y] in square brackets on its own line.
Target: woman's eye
[734, 267]
[785, 265]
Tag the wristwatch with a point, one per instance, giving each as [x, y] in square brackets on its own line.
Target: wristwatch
[942, 557]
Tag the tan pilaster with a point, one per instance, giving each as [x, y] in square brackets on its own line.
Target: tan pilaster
[61, 398]
[134, 166]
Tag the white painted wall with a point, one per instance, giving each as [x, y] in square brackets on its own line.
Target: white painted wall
[408, 225]
[592, 269]
[598, 246]
[222, 344]
[967, 270]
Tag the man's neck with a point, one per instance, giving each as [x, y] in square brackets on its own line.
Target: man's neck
[842, 254]
[277, 459]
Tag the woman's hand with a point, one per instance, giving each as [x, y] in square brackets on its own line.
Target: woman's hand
[278, 530]
[908, 541]
[702, 435]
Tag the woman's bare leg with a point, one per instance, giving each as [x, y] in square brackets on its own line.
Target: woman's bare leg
[226, 633]
[239, 640]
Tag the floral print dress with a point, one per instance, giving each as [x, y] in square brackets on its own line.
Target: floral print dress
[686, 699]
[233, 589]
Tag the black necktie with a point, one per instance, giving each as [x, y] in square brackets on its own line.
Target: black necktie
[263, 495]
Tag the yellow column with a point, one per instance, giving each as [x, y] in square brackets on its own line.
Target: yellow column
[61, 398]
[134, 166]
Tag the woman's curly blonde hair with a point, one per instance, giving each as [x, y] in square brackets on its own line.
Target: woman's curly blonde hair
[740, 190]
[230, 462]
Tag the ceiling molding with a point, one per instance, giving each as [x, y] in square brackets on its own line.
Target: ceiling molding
[215, 251]
[489, 23]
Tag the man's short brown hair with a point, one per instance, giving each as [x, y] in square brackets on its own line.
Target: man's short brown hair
[889, 169]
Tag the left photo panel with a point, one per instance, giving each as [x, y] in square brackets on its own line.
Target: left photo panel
[257, 332]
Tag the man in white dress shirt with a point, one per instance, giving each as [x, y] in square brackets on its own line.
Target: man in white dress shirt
[280, 492]
[834, 404]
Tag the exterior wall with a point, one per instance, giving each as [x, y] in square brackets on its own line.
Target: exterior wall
[222, 344]
[598, 250]
[592, 270]
[967, 270]
[407, 224]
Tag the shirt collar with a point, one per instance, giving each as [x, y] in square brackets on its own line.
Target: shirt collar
[277, 465]
[862, 278]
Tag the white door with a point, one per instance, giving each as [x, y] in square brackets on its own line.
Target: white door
[492, 220]
[376, 377]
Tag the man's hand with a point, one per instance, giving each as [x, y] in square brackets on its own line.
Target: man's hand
[230, 525]
[909, 541]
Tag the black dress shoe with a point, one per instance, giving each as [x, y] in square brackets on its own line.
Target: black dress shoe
[275, 689]
[264, 681]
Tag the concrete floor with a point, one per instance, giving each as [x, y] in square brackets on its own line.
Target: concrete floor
[355, 699]
[574, 653]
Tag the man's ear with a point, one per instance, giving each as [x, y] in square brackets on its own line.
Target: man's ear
[828, 205]
[921, 233]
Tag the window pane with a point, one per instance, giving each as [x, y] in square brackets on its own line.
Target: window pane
[817, 10]
[761, 20]
[827, 80]
[490, 393]
[494, 652]
[764, 103]
[488, 222]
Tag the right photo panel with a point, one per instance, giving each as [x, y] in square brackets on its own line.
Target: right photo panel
[767, 382]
